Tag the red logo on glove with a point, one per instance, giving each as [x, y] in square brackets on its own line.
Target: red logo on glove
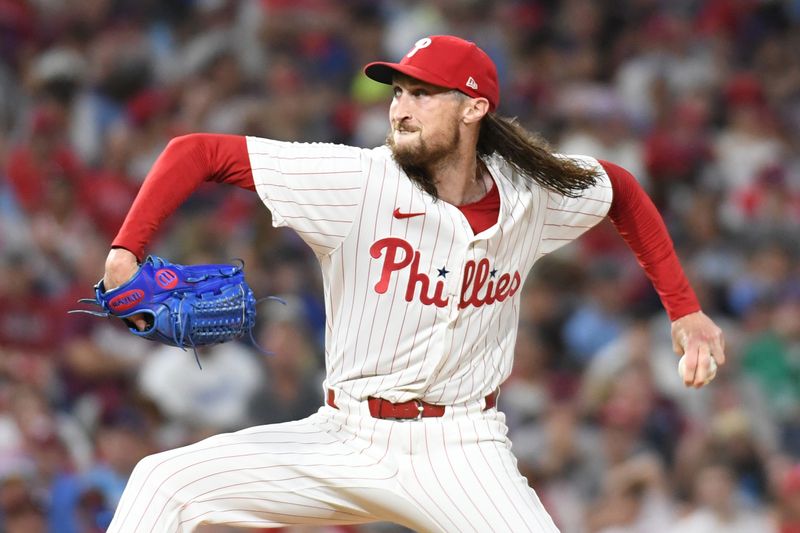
[126, 300]
[166, 278]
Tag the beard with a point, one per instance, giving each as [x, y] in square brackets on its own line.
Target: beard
[417, 160]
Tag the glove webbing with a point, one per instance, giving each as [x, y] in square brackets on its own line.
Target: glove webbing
[210, 322]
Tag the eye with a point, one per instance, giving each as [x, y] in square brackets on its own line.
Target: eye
[396, 91]
[420, 92]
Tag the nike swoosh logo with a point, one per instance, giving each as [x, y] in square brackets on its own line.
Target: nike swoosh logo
[398, 214]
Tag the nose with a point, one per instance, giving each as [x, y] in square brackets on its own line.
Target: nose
[399, 110]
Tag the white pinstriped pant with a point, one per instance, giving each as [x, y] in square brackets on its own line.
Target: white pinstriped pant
[340, 466]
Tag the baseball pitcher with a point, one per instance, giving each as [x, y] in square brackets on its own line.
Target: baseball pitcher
[424, 244]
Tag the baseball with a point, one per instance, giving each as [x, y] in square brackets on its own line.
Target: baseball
[711, 374]
[401, 342]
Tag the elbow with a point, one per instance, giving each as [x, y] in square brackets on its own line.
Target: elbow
[186, 141]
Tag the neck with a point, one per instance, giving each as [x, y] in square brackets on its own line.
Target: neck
[461, 179]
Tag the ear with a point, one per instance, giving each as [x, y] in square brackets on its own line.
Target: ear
[474, 110]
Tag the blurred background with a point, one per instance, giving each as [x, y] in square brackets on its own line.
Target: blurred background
[699, 99]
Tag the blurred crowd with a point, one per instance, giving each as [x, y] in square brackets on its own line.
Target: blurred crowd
[699, 99]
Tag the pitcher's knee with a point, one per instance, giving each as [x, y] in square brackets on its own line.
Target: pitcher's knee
[154, 478]
[154, 492]
[147, 469]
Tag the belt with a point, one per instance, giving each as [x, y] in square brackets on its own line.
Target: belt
[412, 409]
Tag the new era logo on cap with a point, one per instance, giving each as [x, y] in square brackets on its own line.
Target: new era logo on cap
[448, 62]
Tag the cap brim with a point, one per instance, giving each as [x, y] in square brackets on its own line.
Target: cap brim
[384, 73]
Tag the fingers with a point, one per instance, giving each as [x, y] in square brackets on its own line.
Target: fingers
[701, 374]
[698, 338]
[136, 321]
[691, 363]
[140, 322]
[718, 348]
[677, 347]
[699, 365]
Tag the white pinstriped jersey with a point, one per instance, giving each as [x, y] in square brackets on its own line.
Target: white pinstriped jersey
[419, 306]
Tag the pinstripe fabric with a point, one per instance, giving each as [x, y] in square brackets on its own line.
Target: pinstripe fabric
[450, 474]
[417, 307]
[393, 344]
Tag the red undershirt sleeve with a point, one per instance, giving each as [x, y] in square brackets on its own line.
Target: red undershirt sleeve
[638, 222]
[182, 167]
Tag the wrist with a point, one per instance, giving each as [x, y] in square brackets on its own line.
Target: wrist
[121, 265]
[120, 257]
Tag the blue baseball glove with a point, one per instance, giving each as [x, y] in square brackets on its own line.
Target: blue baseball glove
[184, 305]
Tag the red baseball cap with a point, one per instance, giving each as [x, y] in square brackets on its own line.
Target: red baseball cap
[445, 61]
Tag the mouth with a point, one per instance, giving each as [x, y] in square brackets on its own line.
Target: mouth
[402, 128]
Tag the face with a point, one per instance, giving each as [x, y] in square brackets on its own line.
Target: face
[714, 487]
[424, 122]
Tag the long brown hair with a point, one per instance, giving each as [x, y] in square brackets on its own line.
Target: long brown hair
[532, 156]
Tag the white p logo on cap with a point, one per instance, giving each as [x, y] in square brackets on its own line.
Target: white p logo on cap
[425, 42]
